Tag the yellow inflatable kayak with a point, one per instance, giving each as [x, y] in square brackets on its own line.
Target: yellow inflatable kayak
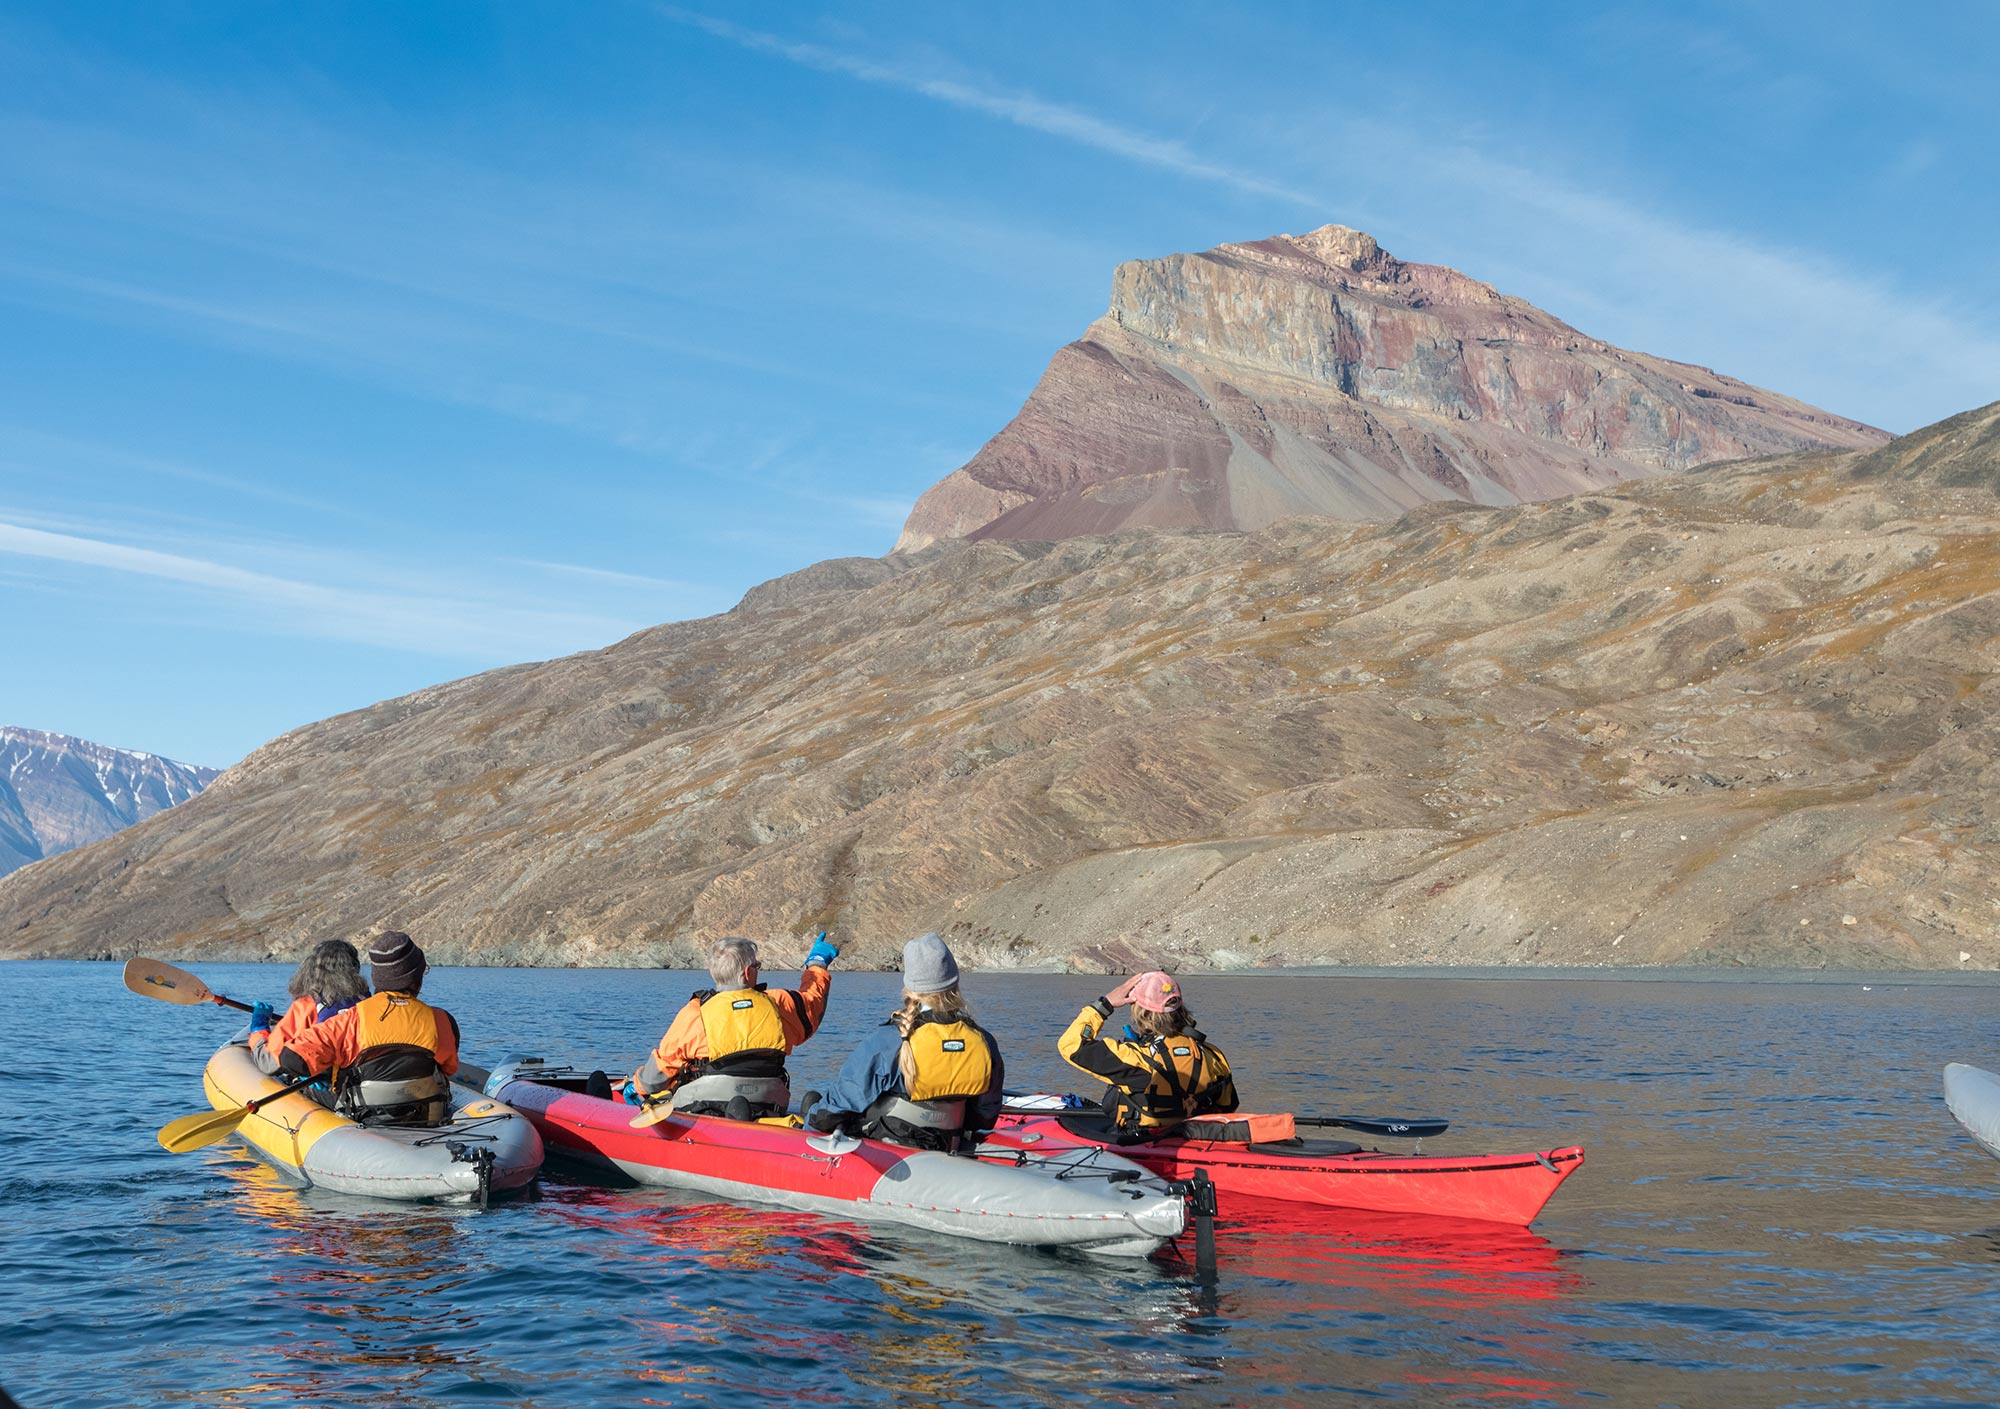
[485, 1147]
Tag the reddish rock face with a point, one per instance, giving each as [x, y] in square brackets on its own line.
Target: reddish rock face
[1318, 374]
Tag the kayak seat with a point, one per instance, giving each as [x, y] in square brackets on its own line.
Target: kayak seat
[1098, 1128]
[1240, 1128]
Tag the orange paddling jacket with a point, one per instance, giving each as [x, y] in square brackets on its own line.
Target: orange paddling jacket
[390, 1055]
[268, 1047]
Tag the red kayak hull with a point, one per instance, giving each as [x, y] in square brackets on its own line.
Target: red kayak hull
[1509, 1189]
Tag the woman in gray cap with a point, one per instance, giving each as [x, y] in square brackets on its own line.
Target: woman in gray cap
[929, 1076]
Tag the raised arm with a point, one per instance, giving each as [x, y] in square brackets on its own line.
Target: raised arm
[1083, 1048]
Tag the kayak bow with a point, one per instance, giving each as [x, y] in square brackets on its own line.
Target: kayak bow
[1509, 1188]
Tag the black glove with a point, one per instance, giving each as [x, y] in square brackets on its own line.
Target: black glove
[825, 1120]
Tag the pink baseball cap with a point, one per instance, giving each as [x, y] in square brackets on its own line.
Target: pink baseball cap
[1155, 992]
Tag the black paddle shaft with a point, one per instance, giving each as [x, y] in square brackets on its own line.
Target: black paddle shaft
[262, 1101]
[1409, 1128]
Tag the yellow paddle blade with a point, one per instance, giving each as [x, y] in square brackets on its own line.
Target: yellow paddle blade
[655, 1113]
[152, 979]
[194, 1132]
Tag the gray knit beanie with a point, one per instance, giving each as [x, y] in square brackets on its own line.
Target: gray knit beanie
[395, 964]
[928, 966]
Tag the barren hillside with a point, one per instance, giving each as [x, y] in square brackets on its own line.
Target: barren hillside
[1742, 715]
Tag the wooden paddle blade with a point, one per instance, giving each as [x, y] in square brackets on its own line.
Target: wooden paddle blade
[194, 1132]
[654, 1114]
[151, 979]
[171, 985]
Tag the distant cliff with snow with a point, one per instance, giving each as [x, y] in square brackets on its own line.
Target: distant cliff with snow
[58, 793]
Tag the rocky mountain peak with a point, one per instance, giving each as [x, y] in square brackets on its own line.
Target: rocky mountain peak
[1319, 374]
[1341, 247]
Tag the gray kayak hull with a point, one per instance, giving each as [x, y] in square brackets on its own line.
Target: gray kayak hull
[317, 1147]
[1062, 1195]
[1973, 1097]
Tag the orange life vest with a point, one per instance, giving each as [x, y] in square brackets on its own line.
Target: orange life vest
[395, 1077]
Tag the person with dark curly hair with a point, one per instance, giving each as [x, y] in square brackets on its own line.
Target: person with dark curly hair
[326, 981]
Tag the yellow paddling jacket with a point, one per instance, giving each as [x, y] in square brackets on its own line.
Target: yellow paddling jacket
[1155, 1083]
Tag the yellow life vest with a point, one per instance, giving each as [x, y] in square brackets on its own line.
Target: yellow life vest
[952, 1059]
[742, 1020]
[1177, 1064]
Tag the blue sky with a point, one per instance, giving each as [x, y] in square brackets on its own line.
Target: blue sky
[351, 348]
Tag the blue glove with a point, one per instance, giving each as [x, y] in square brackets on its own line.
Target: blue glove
[632, 1096]
[822, 953]
[262, 1018]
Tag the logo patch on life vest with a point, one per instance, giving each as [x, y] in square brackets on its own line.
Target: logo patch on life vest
[1183, 1051]
[744, 1003]
[954, 1044]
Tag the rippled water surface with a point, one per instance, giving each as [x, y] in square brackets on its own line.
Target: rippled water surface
[1776, 1210]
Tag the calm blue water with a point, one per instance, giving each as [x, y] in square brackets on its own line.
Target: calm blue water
[1776, 1211]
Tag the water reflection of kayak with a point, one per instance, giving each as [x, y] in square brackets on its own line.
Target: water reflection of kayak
[1507, 1189]
[1068, 1194]
[1973, 1096]
[1472, 1282]
[1423, 1259]
[316, 1147]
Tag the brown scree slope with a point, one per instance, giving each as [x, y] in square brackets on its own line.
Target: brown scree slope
[1746, 714]
[1318, 374]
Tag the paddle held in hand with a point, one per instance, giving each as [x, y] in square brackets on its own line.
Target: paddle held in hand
[204, 1128]
[149, 978]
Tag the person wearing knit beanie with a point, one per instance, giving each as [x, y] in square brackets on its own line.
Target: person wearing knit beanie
[930, 1077]
[392, 1054]
[395, 963]
[928, 966]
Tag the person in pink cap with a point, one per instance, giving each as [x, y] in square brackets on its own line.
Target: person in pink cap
[1161, 1072]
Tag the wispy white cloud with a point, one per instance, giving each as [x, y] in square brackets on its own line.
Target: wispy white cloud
[492, 627]
[879, 510]
[1789, 318]
[1022, 108]
[43, 446]
[622, 579]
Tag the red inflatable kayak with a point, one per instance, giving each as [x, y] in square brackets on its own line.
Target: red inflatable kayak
[1050, 1193]
[1497, 1188]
